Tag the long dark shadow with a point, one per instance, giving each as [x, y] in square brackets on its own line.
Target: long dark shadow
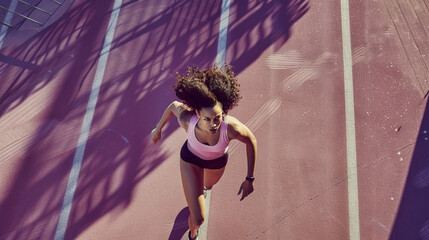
[412, 219]
[180, 226]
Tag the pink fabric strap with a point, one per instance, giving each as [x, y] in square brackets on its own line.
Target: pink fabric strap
[204, 151]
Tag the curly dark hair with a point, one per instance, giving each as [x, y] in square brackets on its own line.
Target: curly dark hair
[203, 88]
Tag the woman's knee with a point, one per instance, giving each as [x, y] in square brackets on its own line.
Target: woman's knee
[198, 220]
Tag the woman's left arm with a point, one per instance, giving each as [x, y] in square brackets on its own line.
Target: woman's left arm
[243, 134]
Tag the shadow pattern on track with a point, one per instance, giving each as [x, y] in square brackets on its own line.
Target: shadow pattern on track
[259, 25]
[118, 155]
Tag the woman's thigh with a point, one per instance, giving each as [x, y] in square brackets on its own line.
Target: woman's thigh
[192, 181]
[212, 176]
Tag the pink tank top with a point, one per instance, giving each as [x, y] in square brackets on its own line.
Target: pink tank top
[204, 151]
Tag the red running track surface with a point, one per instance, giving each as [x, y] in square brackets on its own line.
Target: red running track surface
[289, 59]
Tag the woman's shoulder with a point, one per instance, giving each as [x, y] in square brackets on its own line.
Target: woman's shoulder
[237, 130]
[185, 116]
[234, 126]
[180, 109]
[231, 120]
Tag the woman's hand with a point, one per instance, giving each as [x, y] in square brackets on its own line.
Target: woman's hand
[155, 135]
[246, 188]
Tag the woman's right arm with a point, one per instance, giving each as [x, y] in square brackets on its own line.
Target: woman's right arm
[175, 108]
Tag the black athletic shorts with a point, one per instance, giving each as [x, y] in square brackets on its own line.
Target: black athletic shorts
[189, 157]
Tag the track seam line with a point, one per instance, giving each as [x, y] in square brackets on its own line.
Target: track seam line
[413, 38]
[352, 181]
[404, 46]
[86, 125]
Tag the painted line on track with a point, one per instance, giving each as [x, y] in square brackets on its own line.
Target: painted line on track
[220, 60]
[223, 33]
[352, 181]
[7, 20]
[87, 121]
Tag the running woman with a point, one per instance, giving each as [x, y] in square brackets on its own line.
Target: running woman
[207, 97]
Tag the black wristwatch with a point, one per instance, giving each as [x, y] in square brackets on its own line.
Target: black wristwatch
[250, 179]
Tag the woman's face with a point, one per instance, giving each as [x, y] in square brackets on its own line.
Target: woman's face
[210, 118]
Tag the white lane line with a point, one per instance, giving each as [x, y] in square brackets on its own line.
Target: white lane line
[223, 32]
[7, 20]
[202, 234]
[352, 180]
[220, 60]
[86, 125]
